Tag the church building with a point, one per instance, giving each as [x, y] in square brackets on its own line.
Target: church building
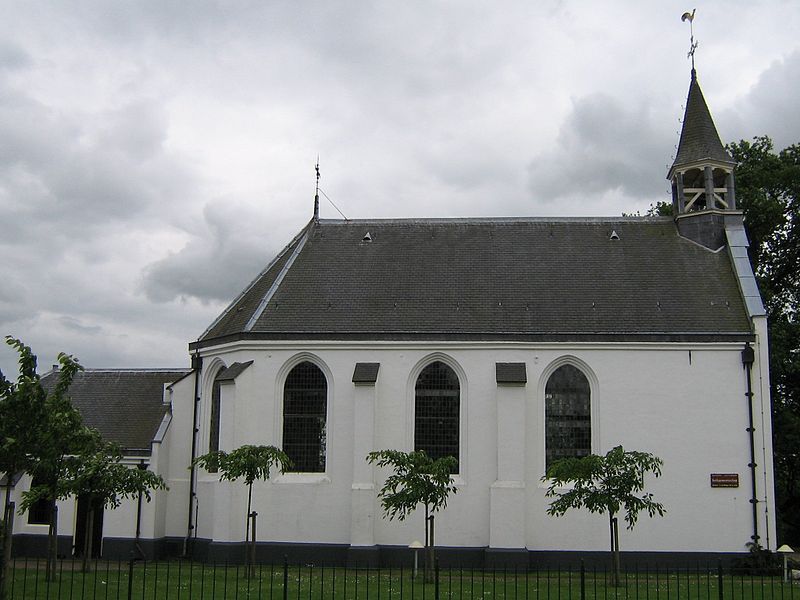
[507, 343]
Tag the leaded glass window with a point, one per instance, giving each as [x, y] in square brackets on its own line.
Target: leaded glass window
[305, 405]
[436, 411]
[568, 425]
[213, 426]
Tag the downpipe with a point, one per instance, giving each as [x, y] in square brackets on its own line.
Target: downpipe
[748, 358]
[197, 367]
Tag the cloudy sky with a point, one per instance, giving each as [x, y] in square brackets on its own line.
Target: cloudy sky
[154, 155]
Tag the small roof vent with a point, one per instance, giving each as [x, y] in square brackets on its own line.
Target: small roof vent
[367, 237]
[614, 235]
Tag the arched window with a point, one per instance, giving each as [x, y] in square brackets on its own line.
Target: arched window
[305, 405]
[436, 411]
[568, 425]
[213, 426]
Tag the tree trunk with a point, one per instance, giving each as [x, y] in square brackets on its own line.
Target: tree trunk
[430, 572]
[427, 542]
[615, 563]
[87, 538]
[7, 533]
[252, 569]
[52, 544]
[247, 551]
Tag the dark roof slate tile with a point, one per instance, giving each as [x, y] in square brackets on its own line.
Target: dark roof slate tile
[699, 138]
[496, 277]
[232, 372]
[125, 406]
[366, 373]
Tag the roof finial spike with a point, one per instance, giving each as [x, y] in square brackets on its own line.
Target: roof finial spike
[316, 193]
[689, 16]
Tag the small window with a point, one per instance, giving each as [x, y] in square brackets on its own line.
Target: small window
[568, 426]
[41, 511]
[436, 411]
[213, 436]
[305, 407]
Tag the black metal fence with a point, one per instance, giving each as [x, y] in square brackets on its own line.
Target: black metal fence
[178, 580]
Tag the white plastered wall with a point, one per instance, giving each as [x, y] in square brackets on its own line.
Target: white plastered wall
[649, 397]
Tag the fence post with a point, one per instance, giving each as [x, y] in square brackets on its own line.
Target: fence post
[130, 578]
[719, 580]
[285, 577]
[436, 581]
[583, 580]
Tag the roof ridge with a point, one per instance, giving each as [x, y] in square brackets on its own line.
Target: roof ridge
[135, 370]
[497, 220]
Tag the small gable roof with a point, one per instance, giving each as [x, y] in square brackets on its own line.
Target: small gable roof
[125, 406]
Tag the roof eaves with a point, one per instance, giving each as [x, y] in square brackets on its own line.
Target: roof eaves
[477, 336]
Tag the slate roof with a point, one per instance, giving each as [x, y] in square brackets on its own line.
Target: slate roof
[489, 279]
[699, 138]
[125, 406]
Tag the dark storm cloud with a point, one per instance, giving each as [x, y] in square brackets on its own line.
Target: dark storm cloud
[82, 169]
[603, 146]
[217, 262]
[770, 107]
[162, 152]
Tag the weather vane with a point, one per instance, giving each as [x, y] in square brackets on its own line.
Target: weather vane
[316, 193]
[689, 16]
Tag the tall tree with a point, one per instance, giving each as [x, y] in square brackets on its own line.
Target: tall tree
[25, 416]
[609, 484]
[768, 191]
[250, 463]
[417, 479]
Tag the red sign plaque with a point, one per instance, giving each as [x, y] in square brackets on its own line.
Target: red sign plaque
[725, 480]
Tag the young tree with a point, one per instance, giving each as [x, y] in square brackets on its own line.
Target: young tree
[605, 484]
[251, 463]
[34, 424]
[417, 479]
[99, 475]
[21, 407]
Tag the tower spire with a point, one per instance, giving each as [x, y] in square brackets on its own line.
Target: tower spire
[703, 193]
[316, 193]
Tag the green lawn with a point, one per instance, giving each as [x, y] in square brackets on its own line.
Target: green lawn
[179, 580]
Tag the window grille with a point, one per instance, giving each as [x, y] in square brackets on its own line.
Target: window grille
[213, 437]
[305, 404]
[568, 425]
[436, 412]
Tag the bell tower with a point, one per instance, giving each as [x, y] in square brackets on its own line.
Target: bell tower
[702, 174]
[703, 192]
